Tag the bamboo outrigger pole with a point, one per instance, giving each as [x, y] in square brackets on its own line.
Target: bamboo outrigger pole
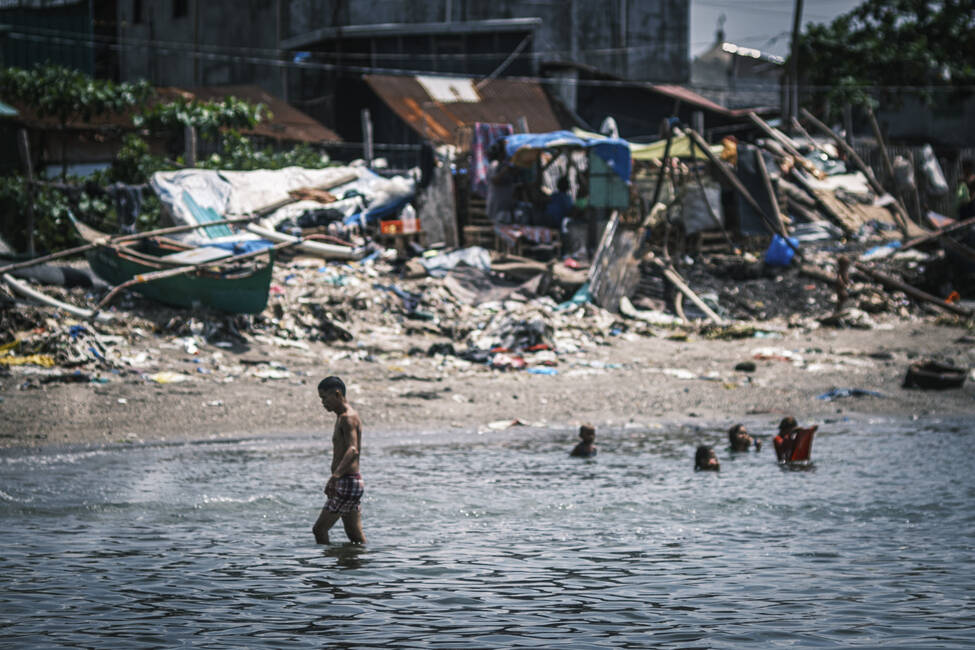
[118, 239]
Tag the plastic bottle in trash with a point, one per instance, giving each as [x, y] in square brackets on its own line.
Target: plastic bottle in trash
[408, 217]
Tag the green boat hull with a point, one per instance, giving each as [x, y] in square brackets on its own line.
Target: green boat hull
[245, 293]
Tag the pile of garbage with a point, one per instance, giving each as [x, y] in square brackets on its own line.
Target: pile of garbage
[844, 254]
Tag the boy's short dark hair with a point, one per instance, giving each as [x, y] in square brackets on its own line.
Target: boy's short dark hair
[788, 422]
[331, 383]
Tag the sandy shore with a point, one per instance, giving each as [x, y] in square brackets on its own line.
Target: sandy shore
[637, 382]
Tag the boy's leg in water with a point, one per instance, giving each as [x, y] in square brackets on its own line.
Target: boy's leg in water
[353, 527]
[326, 519]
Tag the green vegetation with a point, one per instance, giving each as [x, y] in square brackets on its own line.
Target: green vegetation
[888, 49]
[209, 118]
[71, 96]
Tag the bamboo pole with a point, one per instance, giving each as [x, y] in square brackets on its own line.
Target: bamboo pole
[862, 166]
[25, 290]
[119, 239]
[678, 282]
[888, 166]
[767, 181]
[914, 292]
[776, 135]
[732, 178]
[849, 151]
[960, 225]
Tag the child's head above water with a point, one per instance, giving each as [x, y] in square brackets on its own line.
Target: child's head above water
[705, 460]
[587, 432]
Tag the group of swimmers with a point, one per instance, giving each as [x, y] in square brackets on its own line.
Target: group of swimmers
[792, 444]
[345, 487]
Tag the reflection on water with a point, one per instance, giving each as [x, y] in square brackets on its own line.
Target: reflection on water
[496, 540]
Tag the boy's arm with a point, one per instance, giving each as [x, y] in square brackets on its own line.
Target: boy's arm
[350, 456]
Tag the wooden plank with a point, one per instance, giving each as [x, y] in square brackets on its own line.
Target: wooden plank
[615, 270]
[862, 166]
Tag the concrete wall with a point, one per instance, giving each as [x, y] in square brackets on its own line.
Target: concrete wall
[159, 47]
[636, 39]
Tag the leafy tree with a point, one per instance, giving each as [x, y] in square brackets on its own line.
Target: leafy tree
[70, 95]
[66, 94]
[239, 153]
[890, 48]
[209, 118]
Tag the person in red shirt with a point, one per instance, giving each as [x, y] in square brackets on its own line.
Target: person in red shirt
[793, 444]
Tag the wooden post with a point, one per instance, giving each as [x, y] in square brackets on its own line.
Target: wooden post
[848, 123]
[888, 166]
[189, 146]
[367, 151]
[697, 121]
[23, 145]
[767, 181]
[794, 62]
[955, 227]
[739, 187]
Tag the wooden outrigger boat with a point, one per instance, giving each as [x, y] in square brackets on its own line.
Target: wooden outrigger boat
[158, 268]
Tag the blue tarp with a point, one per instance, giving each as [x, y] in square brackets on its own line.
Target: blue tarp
[241, 246]
[614, 151]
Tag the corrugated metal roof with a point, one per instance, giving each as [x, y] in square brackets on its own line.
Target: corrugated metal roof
[689, 96]
[501, 101]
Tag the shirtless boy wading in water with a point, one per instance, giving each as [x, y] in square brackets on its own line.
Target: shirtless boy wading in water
[344, 487]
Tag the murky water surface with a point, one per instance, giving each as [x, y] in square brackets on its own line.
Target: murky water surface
[496, 540]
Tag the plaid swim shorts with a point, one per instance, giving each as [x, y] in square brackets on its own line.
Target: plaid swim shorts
[348, 492]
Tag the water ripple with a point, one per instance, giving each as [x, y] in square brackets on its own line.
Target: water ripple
[495, 541]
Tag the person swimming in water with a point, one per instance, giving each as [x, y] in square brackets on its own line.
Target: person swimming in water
[586, 448]
[705, 460]
[739, 439]
[793, 444]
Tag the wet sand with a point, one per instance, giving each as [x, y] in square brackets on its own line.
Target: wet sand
[642, 382]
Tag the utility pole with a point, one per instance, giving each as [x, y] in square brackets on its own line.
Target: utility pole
[793, 99]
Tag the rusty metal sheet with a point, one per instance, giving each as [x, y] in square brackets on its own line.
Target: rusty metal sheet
[501, 101]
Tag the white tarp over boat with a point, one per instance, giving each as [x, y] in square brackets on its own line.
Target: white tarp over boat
[201, 195]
